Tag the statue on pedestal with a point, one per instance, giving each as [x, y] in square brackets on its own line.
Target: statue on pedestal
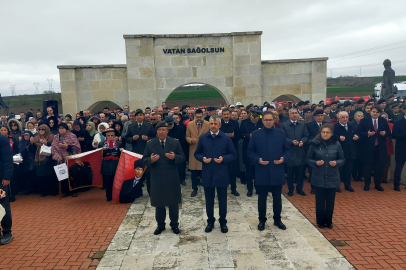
[388, 79]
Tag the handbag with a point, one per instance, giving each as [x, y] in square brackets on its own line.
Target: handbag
[45, 150]
[61, 171]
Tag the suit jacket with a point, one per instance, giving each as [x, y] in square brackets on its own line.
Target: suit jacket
[299, 133]
[246, 128]
[191, 131]
[310, 118]
[349, 145]
[368, 143]
[165, 184]
[313, 129]
[269, 145]
[138, 146]
[399, 133]
[215, 174]
[230, 127]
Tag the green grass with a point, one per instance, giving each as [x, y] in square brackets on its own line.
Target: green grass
[349, 89]
[198, 94]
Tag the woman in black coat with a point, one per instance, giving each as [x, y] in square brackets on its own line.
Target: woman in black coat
[27, 169]
[325, 156]
[52, 123]
[111, 156]
[83, 136]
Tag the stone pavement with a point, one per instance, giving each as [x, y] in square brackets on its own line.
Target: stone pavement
[301, 246]
[372, 224]
[61, 234]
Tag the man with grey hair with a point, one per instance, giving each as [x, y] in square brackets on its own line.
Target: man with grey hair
[346, 135]
[215, 150]
[128, 146]
[124, 119]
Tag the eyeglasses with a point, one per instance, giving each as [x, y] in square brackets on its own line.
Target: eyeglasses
[325, 132]
[42, 129]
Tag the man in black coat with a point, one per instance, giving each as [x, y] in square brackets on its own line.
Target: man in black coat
[6, 174]
[177, 132]
[373, 131]
[246, 129]
[210, 111]
[232, 129]
[346, 135]
[161, 155]
[399, 133]
[297, 135]
[139, 133]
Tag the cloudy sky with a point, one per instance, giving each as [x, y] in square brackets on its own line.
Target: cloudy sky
[36, 36]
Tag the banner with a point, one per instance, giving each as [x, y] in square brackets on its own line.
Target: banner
[125, 176]
[84, 169]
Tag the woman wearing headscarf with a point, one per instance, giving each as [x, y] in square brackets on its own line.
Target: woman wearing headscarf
[118, 128]
[111, 155]
[52, 123]
[44, 167]
[96, 121]
[15, 128]
[82, 121]
[4, 130]
[82, 135]
[31, 128]
[27, 166]
[91, 129]
[64, 144]
[99, 137]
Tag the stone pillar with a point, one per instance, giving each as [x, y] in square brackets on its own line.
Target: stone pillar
[319, 81]
[247, 69]
[68, 90]
[141, 72]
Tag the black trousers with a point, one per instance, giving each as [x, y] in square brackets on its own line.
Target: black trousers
[108, 184]
[181, 171]
[48, 185]
[148, 181]
[357, 168]
[242, 177]
[376, 166]
[398, 171]
[233, 182]
[276, 198]
[195, 181]
[160, 215]
[250, 174]
[222, 198]
[7, 220]
[325, 198]
[15, 184]
[295, 173]
[345, 172]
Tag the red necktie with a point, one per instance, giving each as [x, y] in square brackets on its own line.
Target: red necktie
[198, 128]
[214, 135]
[376, 129]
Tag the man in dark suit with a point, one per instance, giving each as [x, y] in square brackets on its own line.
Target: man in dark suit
[246, 129]
[131, 188]
[297, 135]
[373, 131]
[161, 155]
[333, 109]
[215, 150]
[269, 150]
[346, 135]
[139, 133]
[232, 129]
[399, 133]
[210, 111]
[177, 132]
[6, 174]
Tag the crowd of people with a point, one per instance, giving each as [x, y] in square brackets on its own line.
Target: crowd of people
[264, 146]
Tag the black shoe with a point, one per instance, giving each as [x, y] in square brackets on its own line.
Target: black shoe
[379, 188]
[183, 183]
[108, 199]
[321, 226]
[103, 188]
[301, 192]
[224, 228]
[366, 188]
[43, 194]
[209, 227]
[249, 194]
[176, 230]
[235, 193]
[280, 225]
[355, 179]
[338, 190]
[290, 193]
[194, 193]
[313, 191]
[12, 198]
[397, 189]
[261, 226]
[158, 231]
[350, 189]
[74, 194]
[361, 179]
[6, 238]
[330, 226]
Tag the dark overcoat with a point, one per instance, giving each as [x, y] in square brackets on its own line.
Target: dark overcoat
[109, 167]
[138, 146]
[165, 184]
[270, 145]
[230, 127]
[246, 128]
[299, 133]
[399, 133]
[215, 174]
[349, 145]
[368, 143]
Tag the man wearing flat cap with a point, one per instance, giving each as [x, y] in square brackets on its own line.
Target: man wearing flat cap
[300, 106]
[333, 109]
[347, 107]
[161, 155]
[210, 111]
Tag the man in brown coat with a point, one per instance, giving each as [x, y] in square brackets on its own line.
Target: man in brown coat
[195, 128]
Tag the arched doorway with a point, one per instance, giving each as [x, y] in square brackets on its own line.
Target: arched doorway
[100, 105]
[194, 95]
[284, 98]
